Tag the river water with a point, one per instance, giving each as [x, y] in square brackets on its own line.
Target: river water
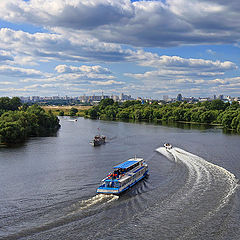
[48, 185]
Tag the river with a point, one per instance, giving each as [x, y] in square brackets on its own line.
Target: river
[48, 184]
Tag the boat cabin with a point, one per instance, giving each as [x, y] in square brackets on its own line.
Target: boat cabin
[119, 175]
[128, 165]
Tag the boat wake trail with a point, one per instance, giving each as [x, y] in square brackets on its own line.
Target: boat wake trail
[208, 187]
[97, 200]
[75, 212]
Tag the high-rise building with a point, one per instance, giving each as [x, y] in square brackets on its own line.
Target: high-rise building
[179, 97]
[220, 97]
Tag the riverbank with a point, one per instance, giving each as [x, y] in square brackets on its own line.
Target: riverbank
[216, 112]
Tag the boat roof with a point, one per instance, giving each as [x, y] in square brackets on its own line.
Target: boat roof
[128, 163]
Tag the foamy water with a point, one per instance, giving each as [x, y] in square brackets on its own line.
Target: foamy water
[204, 179]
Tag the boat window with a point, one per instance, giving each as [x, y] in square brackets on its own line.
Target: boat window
[110, 184]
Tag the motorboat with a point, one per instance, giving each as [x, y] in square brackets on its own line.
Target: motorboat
[168, 146]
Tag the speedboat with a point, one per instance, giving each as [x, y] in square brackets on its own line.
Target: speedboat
[168, 146]
[124, 176]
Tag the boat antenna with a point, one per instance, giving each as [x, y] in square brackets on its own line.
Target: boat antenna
[135, 156]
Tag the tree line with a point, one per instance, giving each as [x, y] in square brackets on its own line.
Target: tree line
[19, 121]
[210, 112]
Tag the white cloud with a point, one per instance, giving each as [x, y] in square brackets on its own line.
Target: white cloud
[139, 23]
[82, 69]
[46, 46]
[106, 83]
[89, 32]
[154, 60]
[20, 72]
[171, 68]
[5, 56]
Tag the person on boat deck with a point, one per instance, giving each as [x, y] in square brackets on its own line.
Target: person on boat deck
[115, 174]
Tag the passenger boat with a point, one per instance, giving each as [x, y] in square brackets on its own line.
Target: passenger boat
[168, 146]
[124, 176]
[98, 140]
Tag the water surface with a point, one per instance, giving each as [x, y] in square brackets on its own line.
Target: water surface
[48, 185]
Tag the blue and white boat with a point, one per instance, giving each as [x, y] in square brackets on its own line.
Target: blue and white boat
[124, 176]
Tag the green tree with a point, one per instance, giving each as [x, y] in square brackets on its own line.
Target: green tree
[208, 116]
[61, 113]
[73, 111]
[227, 118]
[123, 114]
[138, 114]
[217, 105]
[105, 102]
[93, 113]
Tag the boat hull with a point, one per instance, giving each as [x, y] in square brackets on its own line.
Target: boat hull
[98, 142]
[118, 191]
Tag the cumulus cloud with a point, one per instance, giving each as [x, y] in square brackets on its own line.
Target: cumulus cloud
[20, 72]
[90, 32]
[82, 69]
[46, 46]
[72, 78]
[154, 60]
[174, 74]
[175, 67]
[78, 14]
[106, 83]
[138, 23]
[5, 56]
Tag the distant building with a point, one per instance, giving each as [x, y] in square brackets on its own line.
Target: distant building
[34, 98]
[221, 97]
[165, 98]
[179, 97]
[123, 97]
[204, 99]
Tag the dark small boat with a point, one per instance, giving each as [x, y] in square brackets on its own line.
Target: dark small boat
[168, 146]
[98, 140]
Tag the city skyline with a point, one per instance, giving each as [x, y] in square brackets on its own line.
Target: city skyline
[141, 48]
[123, 97]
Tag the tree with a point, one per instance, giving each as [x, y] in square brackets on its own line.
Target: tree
[73, 112]
[92, 112]
[234, 106]
[15, 103]
[178, 114]
[208, 116]
[61, 113]
[138, 114]
[105, 102]
[227, 118]
[217, 105]
[123, 114]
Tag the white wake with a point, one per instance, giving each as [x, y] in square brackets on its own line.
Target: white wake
[207, 184]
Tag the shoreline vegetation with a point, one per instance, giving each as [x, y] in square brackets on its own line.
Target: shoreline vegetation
[216, 112]
[19, 121]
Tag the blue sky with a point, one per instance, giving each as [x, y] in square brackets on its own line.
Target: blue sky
[142, 48]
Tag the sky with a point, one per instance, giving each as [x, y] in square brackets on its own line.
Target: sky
[140, 48]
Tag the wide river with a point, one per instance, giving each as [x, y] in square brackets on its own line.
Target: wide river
[48, 185]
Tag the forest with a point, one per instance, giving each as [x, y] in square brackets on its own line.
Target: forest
[210, 112]
[19, 121]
